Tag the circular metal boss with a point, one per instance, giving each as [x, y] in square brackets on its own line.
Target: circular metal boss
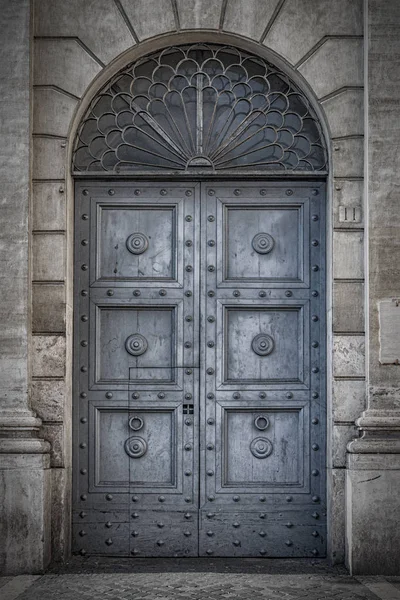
[135, 447]
[137, 243]
[262, 344]
[136, 344]
[136, 423]
[261, 422]
[263, 243]
[261, 447]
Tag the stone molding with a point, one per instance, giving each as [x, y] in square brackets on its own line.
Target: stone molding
[379, 433]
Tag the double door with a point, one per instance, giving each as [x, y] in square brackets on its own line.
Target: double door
[199, 369]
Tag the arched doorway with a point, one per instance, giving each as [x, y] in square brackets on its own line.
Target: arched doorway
[200, 395]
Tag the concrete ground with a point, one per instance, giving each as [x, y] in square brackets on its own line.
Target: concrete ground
[198, 579]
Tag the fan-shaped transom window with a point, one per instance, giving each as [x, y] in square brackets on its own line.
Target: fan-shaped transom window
[200, 107]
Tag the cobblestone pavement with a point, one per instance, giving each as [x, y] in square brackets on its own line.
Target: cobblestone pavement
[191, 580]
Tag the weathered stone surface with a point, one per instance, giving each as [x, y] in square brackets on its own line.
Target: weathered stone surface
[48, 308]
[336, 500]
[373, 543]
[60, 513]
[345, 113]
[341, 436]
[48, 399]
[348, 307]
[48, 356]
[348, 157]
[248, 18]
[348, 399]
[14, 202]
[48, 257]
[25, 507]
[389, 332]
[150, 17]
[52, 111]
[347, 194]
[348, 255]
[334, 65]
[54, 433]
[64, 64]
[48, 206]
[48, 158]
[301, 24]
[197, 14]
[349, 356]
[98, 24]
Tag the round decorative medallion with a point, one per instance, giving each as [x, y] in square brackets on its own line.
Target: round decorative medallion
[263, 344]
[261, 447]
[136, 423]
[263, 243]
[137, 243]
[135, 447]
[261, 422]
[136, 344]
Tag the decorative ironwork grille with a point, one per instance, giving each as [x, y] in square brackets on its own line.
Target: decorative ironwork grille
[200, 107]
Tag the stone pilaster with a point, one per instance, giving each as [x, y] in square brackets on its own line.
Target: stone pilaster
[373, 462]
[24, 458]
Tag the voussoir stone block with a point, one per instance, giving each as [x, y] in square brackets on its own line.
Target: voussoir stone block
[48, 356]
[248, 18]
[348, 194]
[48, 257]
[52, 111]
[48, 206]
[345, 113]
[149, 17]
[99, 25]
[348, 307]
[48, 158]
[349, 356]
[337, 63]
[65, 64]
[348, 254]
[48, 308]
[348, 399]
[199, 14]
[48, 399]
[302, 23]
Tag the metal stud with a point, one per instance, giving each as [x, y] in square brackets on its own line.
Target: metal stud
[82, 552]
[108, 524]
[83, 497]
[236, 395]
[109, 497]
[210, 446]
[315, 552]
[188, 192]
[188, 422]
[188, 345]
[315, 243]
[188, 473]
[83, 394]
[136, 293]
[262, 533]
[315, 421]
[84, 293]
[315, 534]
[236, 293]
[84, 267]
[84, 318]
[85, 192]
[188, 447]
[211, 218]
[84, 369]
[314, 293]
[109, 395]
[135, 395]
[111, 192]
[188, 294]
[211, 294]
[262, 498]
[289, 395]
[188, 371]
[84, 420]
[235, 524]
[210, 515]
[289, 192]
[315, 217]
[210, 371]
[211, 268]
[135, 498]
[188, 243]
[211, 498]
[315, 447]
[315, 472]
[134, 551]
[187, 533]
[160, 543]
[315, 192]
[210, 421]
[82, 514]
[82, 445]
[83, 471]
[263, 192]
[161, 395]
[210, 533]
[315, 498]
[236, 498]
[161, 498]
[188, 499]
[135, 515]
[315, 370]
[210, 396]
[189, 268]
[315, 515]
[210, 344]
[289, 498]
[288, 293]
[137, 192]
[263, 552]
[189, 318]
[211, 243]
[85, 217]
[110, 292]
[210, 472]
[187, 516]
[84, 242]
[315, 395]
[315, 344]
[211, 192]
[211, 319]
[188, 218]
[236, 542]
[134, 533]
[289, 524]
[209, 552]
[262, 293]
[84, 343]
[314, 318]
[163, 192]
[289, 543]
